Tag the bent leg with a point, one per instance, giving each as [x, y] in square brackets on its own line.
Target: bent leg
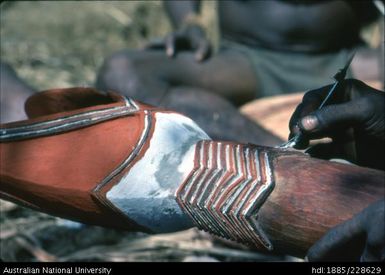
[218, 117]
[149, 75]
[13, 94]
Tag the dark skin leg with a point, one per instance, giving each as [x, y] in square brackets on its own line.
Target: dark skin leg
[14, 92]
[149, 75]
[198, 90]
[218, 117]
[213, 113]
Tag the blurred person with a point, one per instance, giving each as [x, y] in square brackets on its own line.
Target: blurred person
[266, 48]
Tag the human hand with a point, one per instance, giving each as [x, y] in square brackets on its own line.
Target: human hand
[361, 238]
[353, 118]
[190, 37]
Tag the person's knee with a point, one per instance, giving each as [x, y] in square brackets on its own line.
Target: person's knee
[13, 93]
[122, 61]
[183, 98]
[211, 112]
[122, 65]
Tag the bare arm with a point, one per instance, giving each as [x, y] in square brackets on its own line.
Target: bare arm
[179, 10]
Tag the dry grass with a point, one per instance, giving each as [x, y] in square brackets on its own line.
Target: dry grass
[60, 44]
[63, 43]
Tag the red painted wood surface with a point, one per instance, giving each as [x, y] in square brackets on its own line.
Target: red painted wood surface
[312, 196]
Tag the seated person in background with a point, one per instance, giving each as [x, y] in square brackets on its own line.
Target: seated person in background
[266, 48]
[354, 119]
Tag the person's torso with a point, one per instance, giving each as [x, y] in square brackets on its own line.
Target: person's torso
[308, 26]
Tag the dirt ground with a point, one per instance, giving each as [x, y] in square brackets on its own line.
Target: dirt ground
[62, 44]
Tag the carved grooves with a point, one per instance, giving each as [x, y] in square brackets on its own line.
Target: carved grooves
[226, 188]
[67, 123]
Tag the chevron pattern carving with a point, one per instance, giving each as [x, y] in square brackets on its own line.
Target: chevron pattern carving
[226, 188]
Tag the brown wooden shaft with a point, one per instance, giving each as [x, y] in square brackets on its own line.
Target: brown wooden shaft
[311, 196]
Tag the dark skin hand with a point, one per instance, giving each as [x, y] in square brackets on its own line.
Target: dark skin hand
[188, 36]
[361, 238]
[354, 119]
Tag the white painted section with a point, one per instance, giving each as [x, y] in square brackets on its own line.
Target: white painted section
[146, 194]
